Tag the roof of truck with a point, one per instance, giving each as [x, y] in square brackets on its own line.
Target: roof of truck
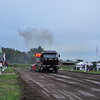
[49, 51]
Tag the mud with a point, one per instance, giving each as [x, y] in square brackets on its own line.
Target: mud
[61, 86]
[28, 93]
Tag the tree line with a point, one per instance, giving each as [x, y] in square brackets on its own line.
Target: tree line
[15, 56]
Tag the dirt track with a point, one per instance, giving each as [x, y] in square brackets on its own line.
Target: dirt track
[61, 86]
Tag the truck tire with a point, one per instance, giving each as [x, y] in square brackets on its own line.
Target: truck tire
[37, 69]
[56, 70]
[42, 70]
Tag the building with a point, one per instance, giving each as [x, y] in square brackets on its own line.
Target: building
[68, 62]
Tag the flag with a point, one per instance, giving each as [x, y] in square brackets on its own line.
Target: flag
[4, 56]
[96, 53]
[0, 51]
[97, 50]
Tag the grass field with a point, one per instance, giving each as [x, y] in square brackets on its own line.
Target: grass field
[9, 90]
[20, 65]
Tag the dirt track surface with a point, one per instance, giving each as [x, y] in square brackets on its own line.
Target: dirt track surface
[61, 86]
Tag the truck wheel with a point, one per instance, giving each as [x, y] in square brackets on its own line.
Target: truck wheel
[56, 71]
[42, 70]
[37, 69]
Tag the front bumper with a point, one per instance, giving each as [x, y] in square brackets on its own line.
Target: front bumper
[50, 67]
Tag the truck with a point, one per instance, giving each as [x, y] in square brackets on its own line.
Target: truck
[46, 61]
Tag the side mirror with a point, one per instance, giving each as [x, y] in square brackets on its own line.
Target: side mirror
[59, 55]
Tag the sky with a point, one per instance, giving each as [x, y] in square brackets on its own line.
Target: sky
[74, 26]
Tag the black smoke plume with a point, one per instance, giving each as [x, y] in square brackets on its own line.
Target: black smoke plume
[34, 37]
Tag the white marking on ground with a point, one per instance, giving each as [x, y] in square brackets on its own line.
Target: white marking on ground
[73, 82]
[67, 82]
[92, 81]
[41, 77]
[63, 79]
[94, 89]
[59, 96]
[70, 94]
[63, 76]
[35, 81]
[77, 80]
[39, 84]
[64, 93]
[75, 96]
[46, 90]
[50, 84]
[46, 93]
[68, 78]
[60, 79]
[85, 93]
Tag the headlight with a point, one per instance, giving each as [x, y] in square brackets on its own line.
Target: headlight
[45, 58]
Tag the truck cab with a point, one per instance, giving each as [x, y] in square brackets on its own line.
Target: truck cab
[49, 61]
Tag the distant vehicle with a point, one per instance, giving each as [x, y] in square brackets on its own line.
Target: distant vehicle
[46, 61]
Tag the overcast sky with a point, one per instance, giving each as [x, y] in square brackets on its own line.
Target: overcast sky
[74, 25]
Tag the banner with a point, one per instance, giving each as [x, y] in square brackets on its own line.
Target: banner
[4, 56]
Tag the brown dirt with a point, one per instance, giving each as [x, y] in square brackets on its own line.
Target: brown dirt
[28, 93]
[61, 86]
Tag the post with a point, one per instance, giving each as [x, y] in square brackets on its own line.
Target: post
[0, 71]
[96, 57]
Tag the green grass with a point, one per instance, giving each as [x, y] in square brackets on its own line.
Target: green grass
[94, 72]
[69, 67]
[9, 90]
[9, 70]
[19, 65]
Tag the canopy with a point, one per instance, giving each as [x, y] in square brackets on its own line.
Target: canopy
[81, 64]
[90, 64]
[98, 66]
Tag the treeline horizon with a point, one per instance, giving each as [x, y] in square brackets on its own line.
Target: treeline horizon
[16, 56]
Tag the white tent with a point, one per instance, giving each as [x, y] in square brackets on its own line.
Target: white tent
[81, 66]
[98, 66]
[90, 64]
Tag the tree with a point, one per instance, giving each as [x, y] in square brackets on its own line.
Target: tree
[33, 51]
[15, 56]
[68, 60]
[60, 60]
[79, 60]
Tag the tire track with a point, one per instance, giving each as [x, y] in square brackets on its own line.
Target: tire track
[62, 86]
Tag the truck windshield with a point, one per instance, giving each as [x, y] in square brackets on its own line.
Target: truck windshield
[49, 55]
